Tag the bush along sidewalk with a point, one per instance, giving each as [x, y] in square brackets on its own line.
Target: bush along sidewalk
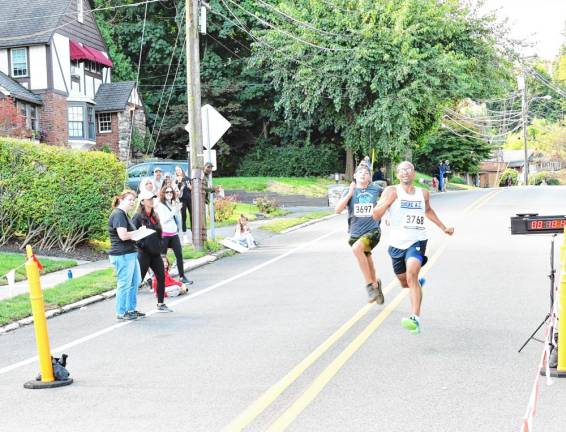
[10, 260]
[78, 292]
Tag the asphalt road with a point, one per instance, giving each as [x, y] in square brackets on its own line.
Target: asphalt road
[282, 337]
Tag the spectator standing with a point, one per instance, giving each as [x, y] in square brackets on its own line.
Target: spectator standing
[183, 185]
[123, 256]
[167, 209]
[149, 248]
[157, 179]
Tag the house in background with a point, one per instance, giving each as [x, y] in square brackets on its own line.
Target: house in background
[54, 71]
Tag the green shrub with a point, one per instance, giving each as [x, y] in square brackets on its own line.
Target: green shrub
[224, 208]
[509, 172]
[55, 197]
[266, 204]
[457, 180]
[549, 179]
[293, 160]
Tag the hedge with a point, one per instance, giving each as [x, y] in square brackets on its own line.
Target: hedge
[294, 160]
[52, 196]
[538, 178]
[509, 173]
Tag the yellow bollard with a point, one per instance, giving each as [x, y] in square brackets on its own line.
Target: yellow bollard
[40, 325]
[561, 368]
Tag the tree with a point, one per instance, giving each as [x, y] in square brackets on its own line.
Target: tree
[385, 70]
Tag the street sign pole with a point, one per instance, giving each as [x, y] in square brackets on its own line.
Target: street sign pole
[208, 147]
[195, 126]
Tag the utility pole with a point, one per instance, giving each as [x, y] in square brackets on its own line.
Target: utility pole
[522, 84]
[196, 160]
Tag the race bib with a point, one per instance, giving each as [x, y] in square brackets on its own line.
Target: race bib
[413, 222]
[363, 210]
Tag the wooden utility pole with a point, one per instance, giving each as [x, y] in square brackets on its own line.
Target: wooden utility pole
[196, 160]
[522, 81]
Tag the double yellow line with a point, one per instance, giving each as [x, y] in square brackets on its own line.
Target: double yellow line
[267, 398]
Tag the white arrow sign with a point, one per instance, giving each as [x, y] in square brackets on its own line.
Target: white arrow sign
[213, 126]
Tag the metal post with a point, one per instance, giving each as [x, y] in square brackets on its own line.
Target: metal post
[212, 228]
[561, 368]
[195, 135]
[524, 111]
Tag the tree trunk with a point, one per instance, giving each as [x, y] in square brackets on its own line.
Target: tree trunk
[349, 171]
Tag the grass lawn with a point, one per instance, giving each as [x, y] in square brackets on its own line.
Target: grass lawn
[63, 294]
[9, 261]
[283, 224]
[308, 186]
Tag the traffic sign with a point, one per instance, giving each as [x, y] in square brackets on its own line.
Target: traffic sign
[213, 124]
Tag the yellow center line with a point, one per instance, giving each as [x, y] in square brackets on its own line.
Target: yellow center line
[324, 378]
[267, 398]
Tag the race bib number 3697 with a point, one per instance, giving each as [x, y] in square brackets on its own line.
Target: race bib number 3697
[363, 210]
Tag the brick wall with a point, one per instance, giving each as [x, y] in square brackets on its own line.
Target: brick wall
[53, 119]
[11, 122]
[109, 139]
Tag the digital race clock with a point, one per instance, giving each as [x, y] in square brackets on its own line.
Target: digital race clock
[532, 223]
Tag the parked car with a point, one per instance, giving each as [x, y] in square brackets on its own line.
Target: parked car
[139, 171]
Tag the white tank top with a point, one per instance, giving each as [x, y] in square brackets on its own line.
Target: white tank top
[407, 214]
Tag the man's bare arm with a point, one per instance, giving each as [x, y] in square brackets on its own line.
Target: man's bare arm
[387, 198]
[431, 214]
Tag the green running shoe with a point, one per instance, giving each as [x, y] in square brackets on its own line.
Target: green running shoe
[411, 324]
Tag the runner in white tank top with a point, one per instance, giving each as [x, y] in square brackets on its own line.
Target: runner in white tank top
[408, 205]
[407, 218]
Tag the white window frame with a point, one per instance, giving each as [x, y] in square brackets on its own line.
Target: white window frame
[104, 123]
[76, 120]
[12, 71]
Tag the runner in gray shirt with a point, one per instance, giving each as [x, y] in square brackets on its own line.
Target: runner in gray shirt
[364, 231]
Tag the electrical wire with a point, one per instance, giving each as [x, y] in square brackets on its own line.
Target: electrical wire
[292, 36]
[222, 45]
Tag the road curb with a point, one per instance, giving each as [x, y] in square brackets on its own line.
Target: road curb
[50, 313]
[305, 224]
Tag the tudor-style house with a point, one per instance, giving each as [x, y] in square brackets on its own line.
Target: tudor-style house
[55, 79]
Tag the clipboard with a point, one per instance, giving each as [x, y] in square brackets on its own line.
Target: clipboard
[142, 234]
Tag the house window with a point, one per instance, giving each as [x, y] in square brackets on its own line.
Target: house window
[76, 122]
[30, 115]
[90, 120]
[80, 11]
[33, 117]
[104, 123]
[19, 62]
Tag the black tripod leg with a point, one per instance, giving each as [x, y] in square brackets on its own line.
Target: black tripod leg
[535, 332]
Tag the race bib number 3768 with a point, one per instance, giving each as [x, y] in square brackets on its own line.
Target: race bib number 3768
[363, 210]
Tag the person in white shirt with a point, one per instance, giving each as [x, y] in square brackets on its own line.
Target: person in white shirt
[408, 206]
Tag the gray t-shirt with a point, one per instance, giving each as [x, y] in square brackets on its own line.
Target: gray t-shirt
[360, 209]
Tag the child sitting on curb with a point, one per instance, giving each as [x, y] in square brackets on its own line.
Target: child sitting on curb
[173, 288]
[243, 233]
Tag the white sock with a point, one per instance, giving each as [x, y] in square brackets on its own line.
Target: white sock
[417, 318]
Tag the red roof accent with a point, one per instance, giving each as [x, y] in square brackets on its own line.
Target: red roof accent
[82, 52]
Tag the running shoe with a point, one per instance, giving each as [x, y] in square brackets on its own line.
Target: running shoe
[186, 281]
[137, 314]
[126, 317]
[411, 324]
[422, 281]
[162, 308]
[379, 298]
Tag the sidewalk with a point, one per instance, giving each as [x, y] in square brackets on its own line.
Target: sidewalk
[50, 280]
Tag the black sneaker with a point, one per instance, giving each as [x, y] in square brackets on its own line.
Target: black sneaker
[128, 316]
[137, 314]
[186, 281]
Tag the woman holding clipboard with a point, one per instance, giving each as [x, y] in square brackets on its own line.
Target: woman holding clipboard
[123, 256]
[149, 247]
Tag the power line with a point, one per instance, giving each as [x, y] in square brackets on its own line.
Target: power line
[301, 23]
[72, 13]
[222, 45]
[268, 24]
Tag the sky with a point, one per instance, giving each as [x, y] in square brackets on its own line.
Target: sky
[539, 21]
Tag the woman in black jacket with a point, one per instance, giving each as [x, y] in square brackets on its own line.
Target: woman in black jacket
[183, 185]
[149, 248]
